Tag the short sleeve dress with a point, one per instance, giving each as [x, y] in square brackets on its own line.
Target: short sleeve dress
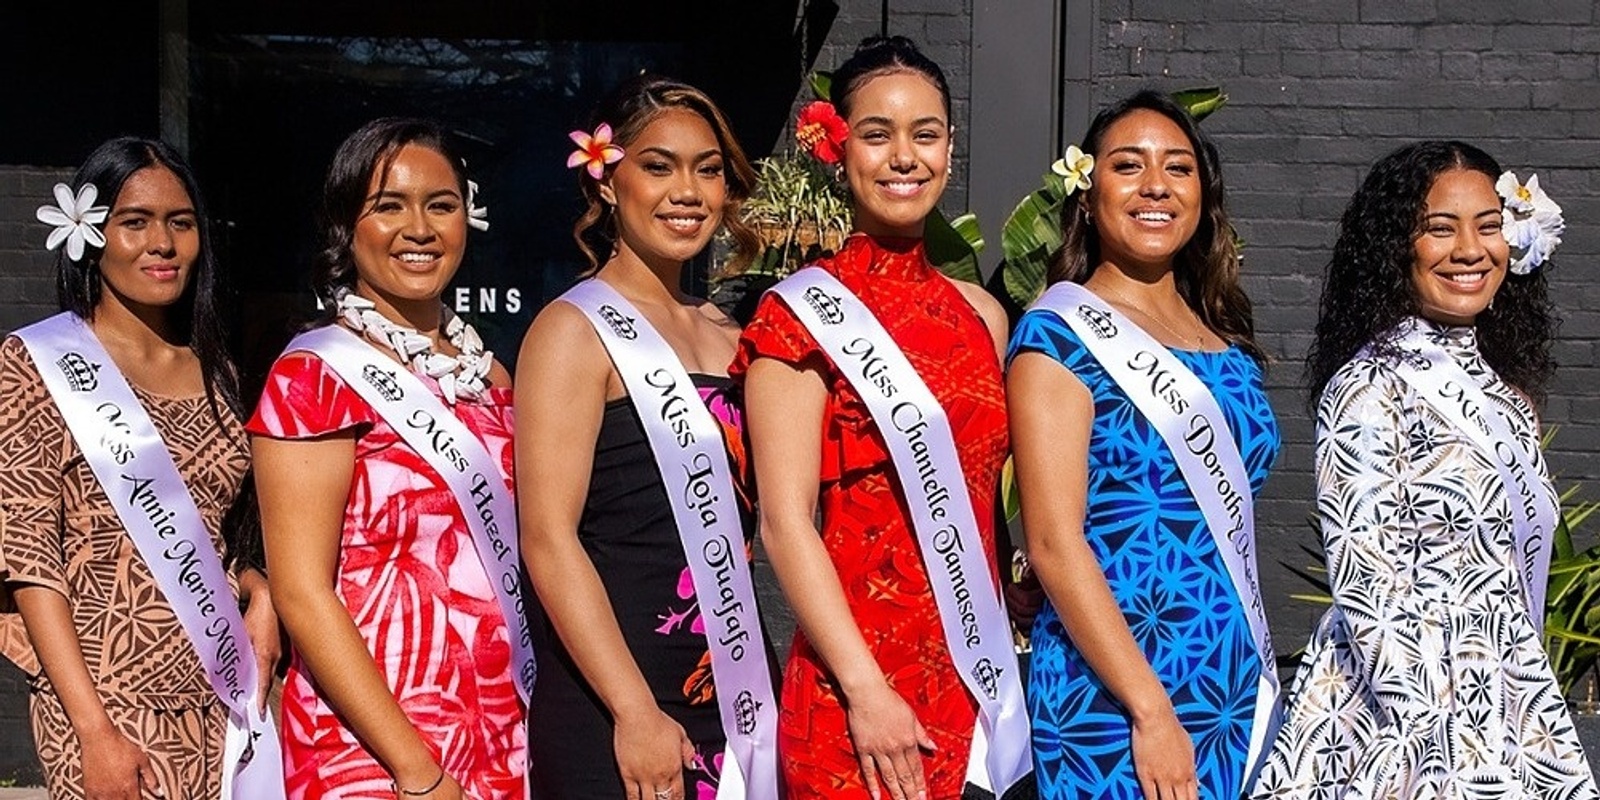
[865, 524]
[1166, 574]
[410, 576]
[58, 530]
[629, 534]
[1426, 679]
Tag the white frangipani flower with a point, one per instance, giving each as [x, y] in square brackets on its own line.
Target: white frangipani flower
[1075, 166]
[74, 219]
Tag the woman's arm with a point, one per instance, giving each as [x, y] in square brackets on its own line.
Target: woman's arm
[563, 375]
[784, 409]
[113, 766]
[261, 625]
[303, 487]
[1052, 416]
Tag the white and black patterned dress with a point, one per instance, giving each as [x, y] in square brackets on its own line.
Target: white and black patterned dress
[1426, 679]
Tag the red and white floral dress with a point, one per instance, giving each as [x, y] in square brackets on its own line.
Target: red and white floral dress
[410, 576]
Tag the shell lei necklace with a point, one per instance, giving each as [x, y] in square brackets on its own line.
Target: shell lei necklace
[463, 376]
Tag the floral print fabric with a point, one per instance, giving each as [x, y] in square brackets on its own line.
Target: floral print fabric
[410, 576]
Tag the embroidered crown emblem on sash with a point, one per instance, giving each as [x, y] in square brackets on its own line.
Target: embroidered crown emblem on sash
[79, 371]
[619, 323]
[1101, 322]
[383, 381]
[826, 305]
[988, 677]
[746, 707]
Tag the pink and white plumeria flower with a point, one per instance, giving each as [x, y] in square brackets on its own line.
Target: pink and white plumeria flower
[595, 151]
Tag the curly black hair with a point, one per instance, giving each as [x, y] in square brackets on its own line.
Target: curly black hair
[1367, 289]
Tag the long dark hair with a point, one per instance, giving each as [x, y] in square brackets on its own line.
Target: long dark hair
[369, 151]
[1367, 289]
[882, 55]
[196, 316]
[1206, 270]
[629, 109]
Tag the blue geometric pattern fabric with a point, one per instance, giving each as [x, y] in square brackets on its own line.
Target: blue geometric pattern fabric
[1166, 574]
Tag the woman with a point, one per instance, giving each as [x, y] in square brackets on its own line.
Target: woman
[383, 460]
[626, 705]
[121, 701]
[875, 701]
[1147, 668]
[1427, 678]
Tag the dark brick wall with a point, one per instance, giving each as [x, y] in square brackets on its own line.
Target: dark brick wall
[27, 270]
[1318, 91]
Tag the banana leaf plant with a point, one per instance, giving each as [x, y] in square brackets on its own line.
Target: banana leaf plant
[1572, 599]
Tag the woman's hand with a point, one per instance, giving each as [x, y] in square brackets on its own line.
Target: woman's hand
[1163, 758]
[261, 625]
[114, 768]
[442, 786]
[889, 742]
[652, 753]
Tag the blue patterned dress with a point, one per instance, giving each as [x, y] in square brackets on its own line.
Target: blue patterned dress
[1167, 575]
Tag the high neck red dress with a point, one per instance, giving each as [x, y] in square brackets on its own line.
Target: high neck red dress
[865, 525]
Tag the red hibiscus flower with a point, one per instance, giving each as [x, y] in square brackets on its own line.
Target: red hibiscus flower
[821, 132]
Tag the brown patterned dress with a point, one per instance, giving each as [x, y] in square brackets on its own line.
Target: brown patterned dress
[58, 530]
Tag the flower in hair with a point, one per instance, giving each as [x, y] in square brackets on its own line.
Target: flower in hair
[1075, 167]
[74, 219]
[1532, 222]
[477, 216]
[821, 131]
[595, 151]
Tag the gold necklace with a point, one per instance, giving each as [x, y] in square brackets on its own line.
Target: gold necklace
[1198, 340]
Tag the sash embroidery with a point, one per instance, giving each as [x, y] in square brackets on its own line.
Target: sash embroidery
[928, 469]
[450, 447]
[130, 460]
[1447, 387]
[689, 452]
[1193, 427]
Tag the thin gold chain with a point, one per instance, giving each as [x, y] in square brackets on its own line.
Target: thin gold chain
[1199, 341]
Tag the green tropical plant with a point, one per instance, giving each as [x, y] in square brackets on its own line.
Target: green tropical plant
[1032, 234]
[1572, 599]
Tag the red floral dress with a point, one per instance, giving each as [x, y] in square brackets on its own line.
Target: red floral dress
[410, 576]
[865, 525]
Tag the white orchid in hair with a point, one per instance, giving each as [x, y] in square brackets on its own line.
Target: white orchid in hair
[74, 219]
[1531, 222]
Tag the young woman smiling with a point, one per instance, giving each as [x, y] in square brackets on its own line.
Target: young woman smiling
[1150, 654]
[638, 686]
[1427, 678]
[383, 454]
[875, 700]
[121, 703]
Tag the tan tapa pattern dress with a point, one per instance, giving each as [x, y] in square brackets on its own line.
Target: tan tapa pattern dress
[58, 530]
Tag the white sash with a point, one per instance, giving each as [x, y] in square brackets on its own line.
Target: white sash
[1194, 429]
[445, 442]
[917, 432]
[1447, 387]
[688, 446]
[125, 452]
